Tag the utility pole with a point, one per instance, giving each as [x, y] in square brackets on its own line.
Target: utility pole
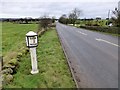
[119, 6]
[108, 15]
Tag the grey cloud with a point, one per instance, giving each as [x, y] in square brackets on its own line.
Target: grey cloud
[36, 9]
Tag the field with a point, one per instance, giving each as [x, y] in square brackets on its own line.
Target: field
[53, 68]
[91, 22]
[13, 38]
[0, 39]
[99, 26]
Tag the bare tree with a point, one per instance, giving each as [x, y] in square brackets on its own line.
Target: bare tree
[53, 19]
[63, 19]
[116, 18]
[74, 15]
[45, 21]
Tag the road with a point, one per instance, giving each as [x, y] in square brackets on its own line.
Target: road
[93, 56]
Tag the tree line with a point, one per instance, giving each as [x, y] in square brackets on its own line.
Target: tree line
[27, 20]
[71, 18]
[43, 22]
[116, 17]
[74, 18]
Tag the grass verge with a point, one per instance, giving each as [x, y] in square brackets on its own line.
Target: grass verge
[0, 39]
[54, 72]
[13, 47]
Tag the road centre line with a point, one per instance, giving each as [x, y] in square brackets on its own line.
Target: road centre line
[81, 33]
[98, 39]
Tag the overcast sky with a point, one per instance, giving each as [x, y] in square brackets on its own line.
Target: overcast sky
[37, 8]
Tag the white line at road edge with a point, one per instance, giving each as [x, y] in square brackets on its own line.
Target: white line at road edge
[82, 33]
[98, 39]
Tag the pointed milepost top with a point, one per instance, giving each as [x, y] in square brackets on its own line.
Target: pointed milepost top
[31, 33]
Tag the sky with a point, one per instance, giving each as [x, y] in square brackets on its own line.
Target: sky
[38, 8]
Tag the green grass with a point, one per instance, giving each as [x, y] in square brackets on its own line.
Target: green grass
[0, 39]
[13, 38]
[92, 22]
[14, 34]
[54, 72]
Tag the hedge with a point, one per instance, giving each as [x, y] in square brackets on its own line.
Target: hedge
[112, 30]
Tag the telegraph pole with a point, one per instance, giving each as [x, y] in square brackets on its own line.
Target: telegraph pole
[108, 15]
[119, 6]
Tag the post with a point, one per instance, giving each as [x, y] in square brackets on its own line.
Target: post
[33, 61]
[108, 16]
[119, 6]
[32, 43]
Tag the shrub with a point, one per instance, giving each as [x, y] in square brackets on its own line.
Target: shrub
[113, 30]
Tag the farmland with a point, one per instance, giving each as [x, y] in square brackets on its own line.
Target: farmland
[13, 35]
[91, 23]
[13, 38]
[53, 68]
[99, 26]
[0, 39]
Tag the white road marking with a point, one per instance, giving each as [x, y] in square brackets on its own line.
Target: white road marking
[82, 33]
[98, 39]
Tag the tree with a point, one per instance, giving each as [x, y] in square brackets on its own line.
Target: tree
[63, 19]
[98, 18]
[26, 20]
[74, 15]
[53, 19]
[45, 21]
[116, 18]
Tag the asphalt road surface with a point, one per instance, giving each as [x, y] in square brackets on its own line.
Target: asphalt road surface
[93, 56]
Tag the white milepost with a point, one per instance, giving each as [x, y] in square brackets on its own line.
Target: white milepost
[32, 43]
